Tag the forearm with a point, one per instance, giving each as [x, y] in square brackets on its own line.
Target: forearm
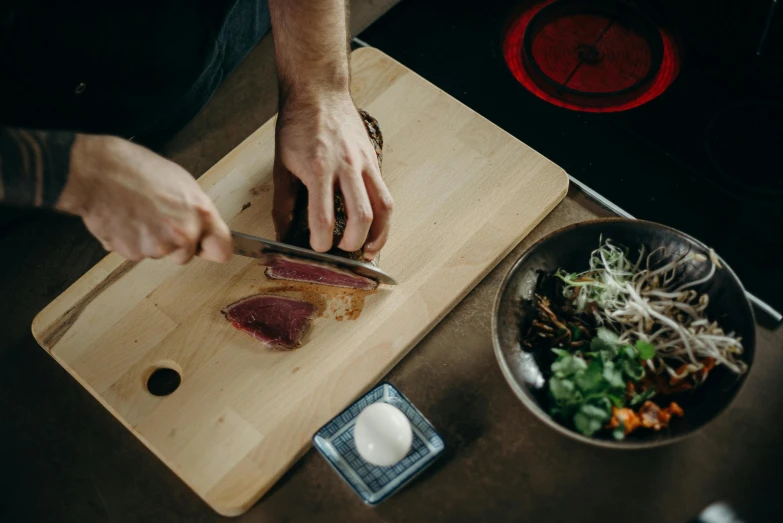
[33, 166]
[321, 141]
[311, 46]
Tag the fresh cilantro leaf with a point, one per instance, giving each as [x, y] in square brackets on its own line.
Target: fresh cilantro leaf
[644, 396]
[590, 419]
[568, 365]
[586, 425]
[599, 413]
[590, 380]
[617, 401]
[633, 369]
[576, 333]
[586, 393]
[646, 350]
[607, 336]
[629, 352]
[605, 404]
[613, 376]
[561, 389]
[598, 345]
[608, 355]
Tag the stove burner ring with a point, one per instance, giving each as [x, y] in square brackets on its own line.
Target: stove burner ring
[626, 26]
[742, 143]
[586, 59]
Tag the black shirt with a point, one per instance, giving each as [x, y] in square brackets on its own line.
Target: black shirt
[137, 69]
[118, 67]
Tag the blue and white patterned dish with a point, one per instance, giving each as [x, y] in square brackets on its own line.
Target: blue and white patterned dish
[372, 483]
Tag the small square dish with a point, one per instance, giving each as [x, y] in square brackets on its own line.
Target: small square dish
[372, 483]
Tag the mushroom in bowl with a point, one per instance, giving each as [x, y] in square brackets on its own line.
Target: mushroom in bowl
[623, 333]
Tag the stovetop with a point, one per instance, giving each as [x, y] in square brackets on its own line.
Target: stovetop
[696, 158]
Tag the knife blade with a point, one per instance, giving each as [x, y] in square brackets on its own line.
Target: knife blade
[261, 248]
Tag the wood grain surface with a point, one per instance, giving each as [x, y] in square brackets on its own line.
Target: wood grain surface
[466, 193]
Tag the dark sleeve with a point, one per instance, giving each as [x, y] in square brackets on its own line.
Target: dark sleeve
[33, 166]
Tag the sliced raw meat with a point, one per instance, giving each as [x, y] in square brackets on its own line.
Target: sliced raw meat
[299, 234]
[285, 268]
[278, 321]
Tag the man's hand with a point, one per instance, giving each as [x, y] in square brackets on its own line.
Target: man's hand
[322, 142]
[140, 204]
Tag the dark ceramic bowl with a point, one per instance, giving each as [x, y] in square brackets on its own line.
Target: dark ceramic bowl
[570, 249]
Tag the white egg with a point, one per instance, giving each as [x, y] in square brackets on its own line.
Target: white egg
[382, 434]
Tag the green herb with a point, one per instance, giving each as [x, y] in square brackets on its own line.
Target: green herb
[562, 390]
[607, 336]
[590, 419]
[567, 365]
[617, 401]
[644, 396]
[591, 380]
[584, 391]
[613, 376]
[629, 352]
[632, 368]
[605, 343]
[646, 350]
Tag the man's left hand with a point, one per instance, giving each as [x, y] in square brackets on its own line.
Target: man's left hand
[321, 142]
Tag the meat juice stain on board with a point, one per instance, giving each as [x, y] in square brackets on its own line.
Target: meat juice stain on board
[331, 302]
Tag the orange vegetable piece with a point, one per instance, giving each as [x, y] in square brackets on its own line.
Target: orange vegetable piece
[653, 417]
[709, 364]
[627, 417]
[656, 418]
[675, 409]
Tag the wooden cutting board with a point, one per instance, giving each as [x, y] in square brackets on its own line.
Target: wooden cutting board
[466, 193]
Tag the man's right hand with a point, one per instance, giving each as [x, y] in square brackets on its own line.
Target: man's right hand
[141, 205]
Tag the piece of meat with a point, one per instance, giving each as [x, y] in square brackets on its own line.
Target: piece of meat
[653, 417]
[285, 268]
[299, 233]
[650, 416]
[675, 410]
[656, 418]
[627, 417]
[279, 322]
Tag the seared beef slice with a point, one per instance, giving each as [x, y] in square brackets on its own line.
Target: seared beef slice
[299, 234]
[285, 268]
[277, 321]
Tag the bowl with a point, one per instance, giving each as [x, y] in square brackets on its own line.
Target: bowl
[569, 248]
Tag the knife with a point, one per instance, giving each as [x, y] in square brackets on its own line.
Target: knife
[261, 248]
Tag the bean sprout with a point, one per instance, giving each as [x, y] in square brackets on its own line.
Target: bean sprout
[649, 301]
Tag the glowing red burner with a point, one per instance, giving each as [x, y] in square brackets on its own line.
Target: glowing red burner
[590, 55]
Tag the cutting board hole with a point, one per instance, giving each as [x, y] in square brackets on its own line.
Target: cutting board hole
[163, 381]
